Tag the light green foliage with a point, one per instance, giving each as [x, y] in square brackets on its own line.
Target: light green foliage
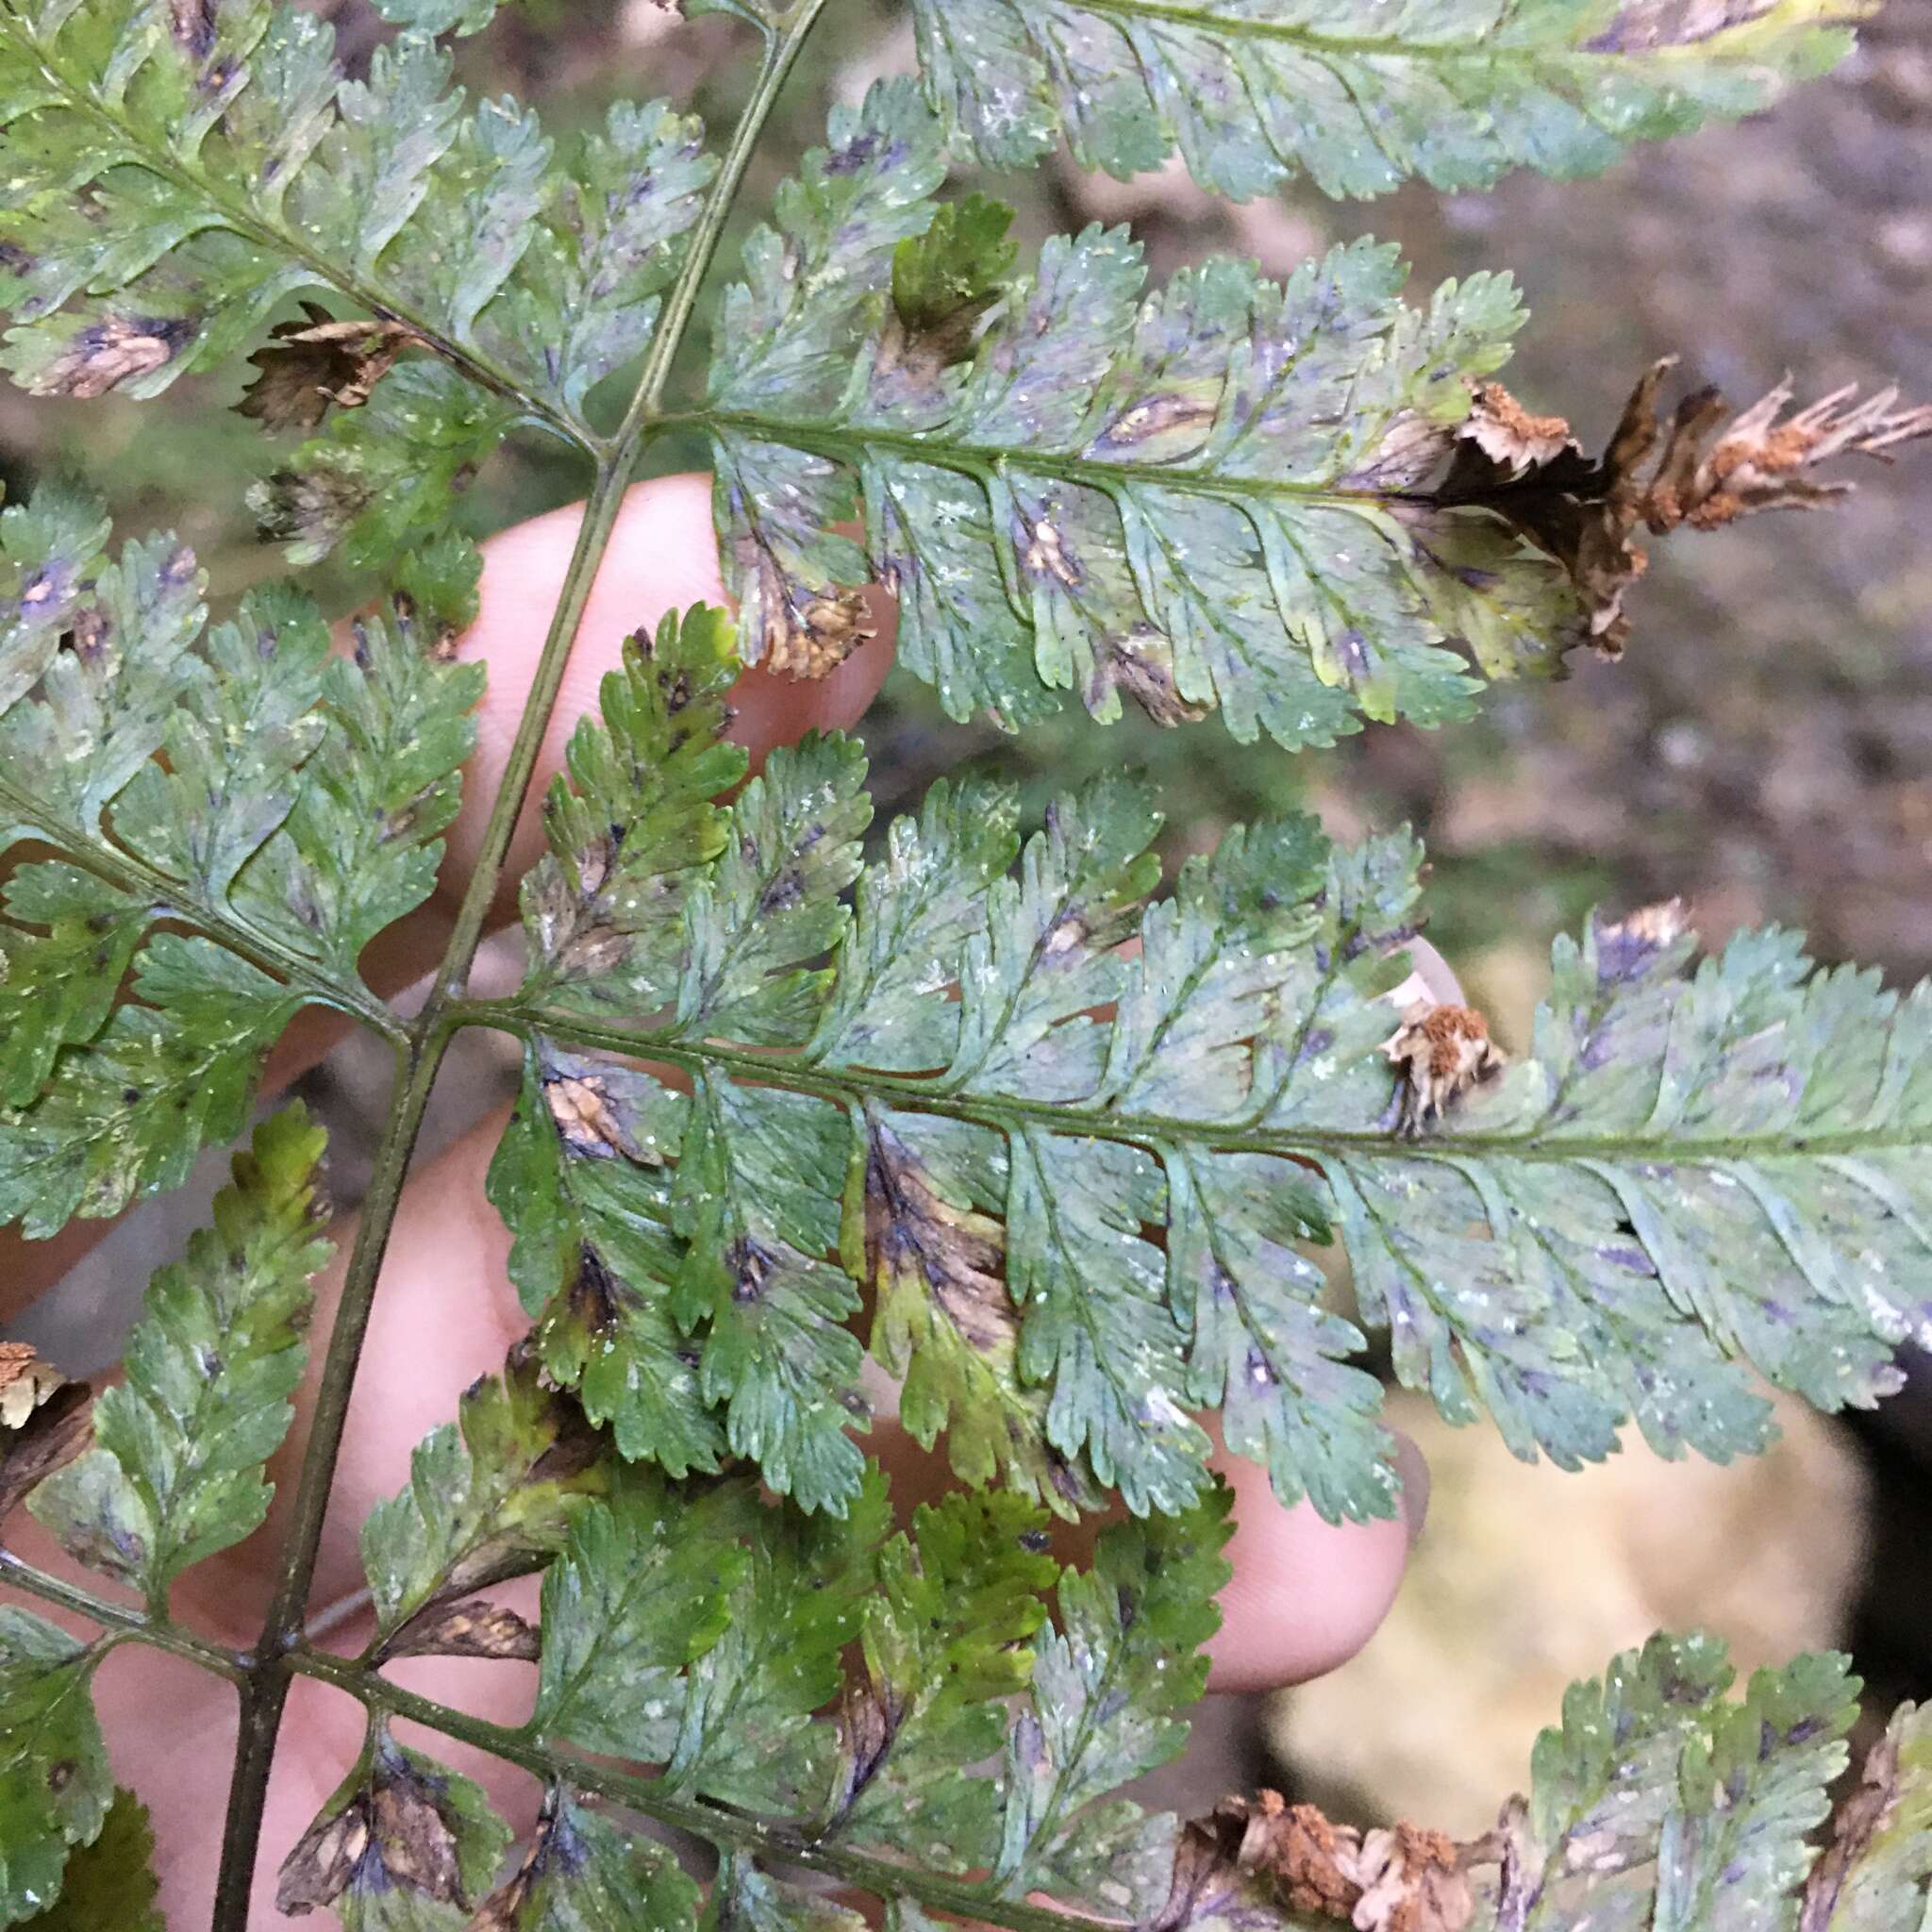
[639, 1592]
[490, 1496]
[362, 845]
[439, 16]
[109, 1886]
[1660, 1801]
[586, 1873]
[177, 1471]
[635, 820]
[1216, 496]
[1076, 1136]
[179, 174]
[1108, 1690]
[946, 1639]
[749, 1896]
[746, 1735]
[972, 1138]
[1357, 96]
[770, 903]
[795, 1668]
[55, 1786]
[236, 779]
[582, 1179]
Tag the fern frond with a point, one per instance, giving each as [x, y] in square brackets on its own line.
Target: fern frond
[1081, 1183]
[966, 1756]
[832, 1672]
[177, 1469]
[1360, 97]
[439, 16]
[56, 1789]
[282, 804]
[177, 177]
[585, 1873]
[1878, 1866]
[1660, 1800]
[490, 1496]
[1299, 504]
[110, 1882]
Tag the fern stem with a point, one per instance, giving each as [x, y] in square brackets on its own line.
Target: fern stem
[784, 39]
[972, 1900]
[265, 1689]
[124, 1623]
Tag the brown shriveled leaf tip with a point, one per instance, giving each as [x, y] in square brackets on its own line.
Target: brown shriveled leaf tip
[479, 1630]
[1700, 469]
[1510, 435]
[394, 1821]
[1444, 1051]
[1141, 664]
[869, 1718]
[1660, 925]
[1266, 1853]
[580, 1105]
[803, 636]
[57, 1429]
[499, 1912]
[109, 352]
[307, 365]
[958, 1253]
[317, 1872]
[1853, 1820]
[25, 1382]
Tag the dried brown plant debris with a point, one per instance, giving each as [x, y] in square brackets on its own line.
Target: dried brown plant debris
[1442, 1050]
[105, 354]
[308, 364]
[395, 1834]
[45, 1421]
[1701, 467]
[1246, 1856]
[479, 1630]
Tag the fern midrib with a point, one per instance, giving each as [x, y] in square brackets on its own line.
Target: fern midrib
[1198, 20]
[973, 1902]
[845, 442]
[168, 899]
[1051, 1813]
[193, 1471]
[1303, 1145]
[157, 161]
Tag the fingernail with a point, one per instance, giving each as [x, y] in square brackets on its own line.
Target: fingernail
[1414, 1472]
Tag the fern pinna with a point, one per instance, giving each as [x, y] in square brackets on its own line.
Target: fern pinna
[1056, 1143]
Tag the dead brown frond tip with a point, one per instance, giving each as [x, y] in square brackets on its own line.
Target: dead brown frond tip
[1701, 467]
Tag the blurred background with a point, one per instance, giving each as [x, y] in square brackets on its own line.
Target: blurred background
[1764, 750]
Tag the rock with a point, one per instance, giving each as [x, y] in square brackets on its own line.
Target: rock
[1528, 1578]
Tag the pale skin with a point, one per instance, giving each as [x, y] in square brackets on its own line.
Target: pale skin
[1306, 1596]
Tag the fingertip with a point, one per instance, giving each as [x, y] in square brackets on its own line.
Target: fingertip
[663, 556]
[1305, 1594]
